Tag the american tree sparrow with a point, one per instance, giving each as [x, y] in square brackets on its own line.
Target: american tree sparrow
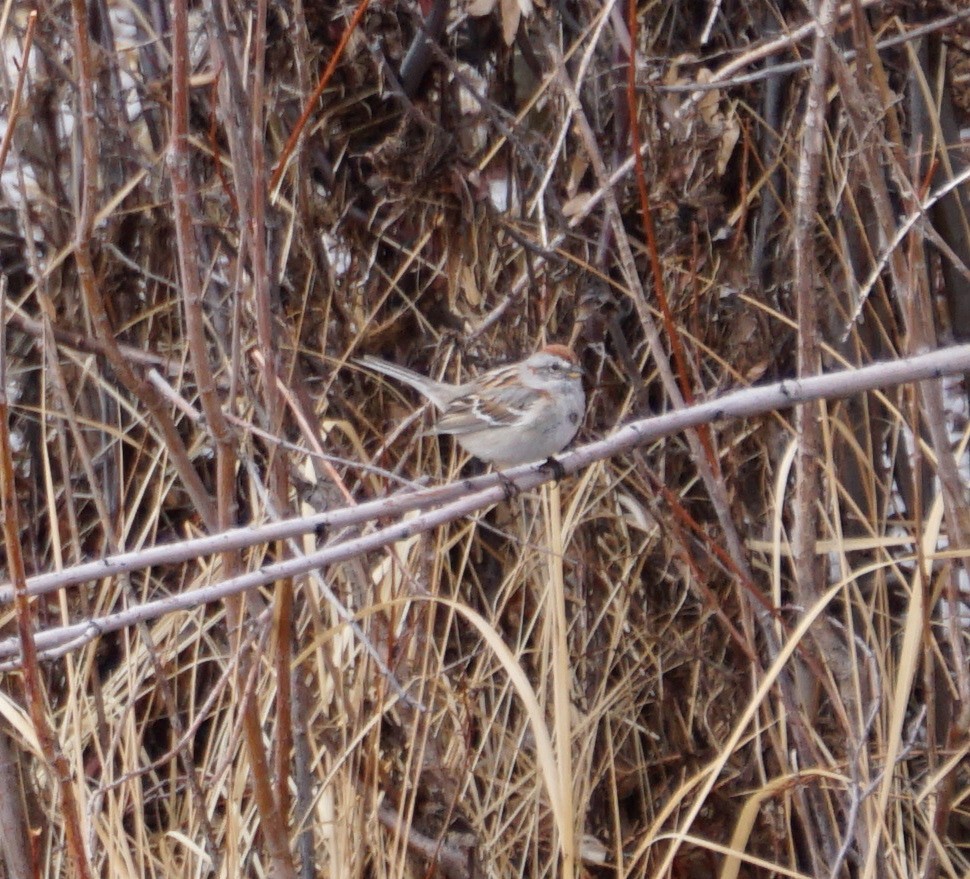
[514, 414]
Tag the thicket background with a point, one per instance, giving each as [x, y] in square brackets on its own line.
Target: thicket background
[739, 652]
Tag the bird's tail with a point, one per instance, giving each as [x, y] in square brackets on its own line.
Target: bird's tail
[422, 384]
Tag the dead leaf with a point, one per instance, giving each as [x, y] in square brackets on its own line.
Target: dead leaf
[730, 135]
[575, 205]
[469, 286]
[478, 8]
[511, 14]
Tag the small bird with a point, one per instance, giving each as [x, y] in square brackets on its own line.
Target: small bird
[514, 414]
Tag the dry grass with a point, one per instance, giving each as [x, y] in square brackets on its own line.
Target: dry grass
[740, 651]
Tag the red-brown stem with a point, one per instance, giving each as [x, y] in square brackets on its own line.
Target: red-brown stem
[267, 337]
[312, 101]
[178, 162]
[649, 231]
[809, 356]
[273, 824]
[820, 837]
[34, 692]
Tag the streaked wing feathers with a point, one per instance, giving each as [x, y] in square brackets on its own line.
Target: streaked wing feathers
[492, 407]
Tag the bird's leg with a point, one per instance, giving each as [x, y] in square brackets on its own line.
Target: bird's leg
[508, 486]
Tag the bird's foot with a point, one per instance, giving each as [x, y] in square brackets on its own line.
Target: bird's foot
[552, 464]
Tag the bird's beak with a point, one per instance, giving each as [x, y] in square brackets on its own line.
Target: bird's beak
[576, 372]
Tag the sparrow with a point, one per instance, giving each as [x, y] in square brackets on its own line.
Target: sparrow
[514, 414]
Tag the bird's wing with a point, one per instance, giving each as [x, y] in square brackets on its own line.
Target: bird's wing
[490, 408]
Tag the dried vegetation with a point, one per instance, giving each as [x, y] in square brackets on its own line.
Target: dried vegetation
[738, 652]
